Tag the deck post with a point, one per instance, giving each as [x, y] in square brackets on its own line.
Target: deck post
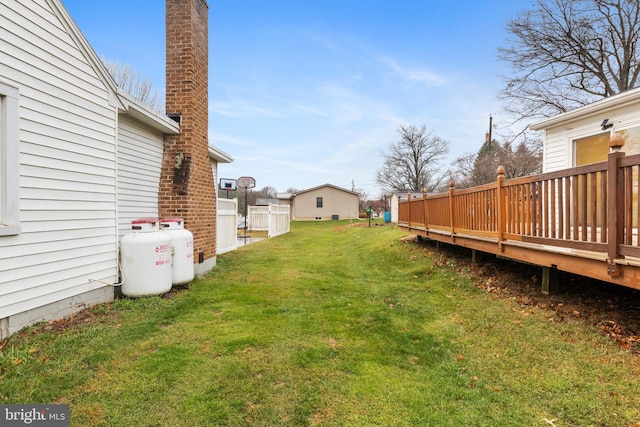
[426, 209]
[409, 209]
[502, 208]
[452, 210]
[476, 257]
[550, 280]
[615, 202]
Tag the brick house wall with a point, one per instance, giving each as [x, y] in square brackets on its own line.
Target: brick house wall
[187, 187]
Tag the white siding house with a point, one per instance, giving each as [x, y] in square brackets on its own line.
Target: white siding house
[141, 135]
[581, 136]
[78, 161]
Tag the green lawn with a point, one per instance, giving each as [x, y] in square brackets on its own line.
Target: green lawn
[329, 325]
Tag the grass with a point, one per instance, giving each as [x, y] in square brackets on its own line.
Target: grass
[332, 325]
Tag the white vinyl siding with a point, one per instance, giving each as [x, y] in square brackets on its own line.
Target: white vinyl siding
[67, 171]
[216, 181]
[556, 153]
[139, 162]
[562, 131]
[9, 157]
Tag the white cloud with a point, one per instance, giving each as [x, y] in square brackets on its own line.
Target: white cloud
[306, 110]
[241, 108]
[413, 75]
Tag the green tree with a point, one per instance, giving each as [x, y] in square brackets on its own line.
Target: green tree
[524, 158]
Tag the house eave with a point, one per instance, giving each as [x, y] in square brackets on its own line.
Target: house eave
[616, 101]
[219, 156]
[143, 113]
[325, 185]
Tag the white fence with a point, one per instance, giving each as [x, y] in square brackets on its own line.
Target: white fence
[279, 219]
[275, 219]
[227, 225]
[258, 218]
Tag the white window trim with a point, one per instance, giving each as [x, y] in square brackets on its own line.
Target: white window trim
[9, 161]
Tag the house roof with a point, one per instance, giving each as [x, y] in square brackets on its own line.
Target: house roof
[219, 155]
[335, 187]
[143, 113]
[620, 100]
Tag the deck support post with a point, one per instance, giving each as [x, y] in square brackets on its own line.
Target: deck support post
[409, 209]
[550, 280]
[426, 209]
[452, 211]
[476, 257]
[615, 201]
[501, 205]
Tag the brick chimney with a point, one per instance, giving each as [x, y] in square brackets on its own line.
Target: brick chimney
[187, 187]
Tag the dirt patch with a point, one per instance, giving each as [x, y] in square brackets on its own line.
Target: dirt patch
[351, 225]
[362, 224]
[614, 309]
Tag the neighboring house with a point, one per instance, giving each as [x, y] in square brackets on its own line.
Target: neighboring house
[581, 136]
[323, 202]
[394, 202]
[79, 159]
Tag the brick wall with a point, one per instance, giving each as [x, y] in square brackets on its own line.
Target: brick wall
[186, 183]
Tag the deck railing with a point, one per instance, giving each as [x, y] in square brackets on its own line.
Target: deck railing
[588, 211]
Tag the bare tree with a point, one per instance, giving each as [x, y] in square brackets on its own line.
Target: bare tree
[130, 81]
[268, 192]
[362, 201]
[568, 53]
[414, 162]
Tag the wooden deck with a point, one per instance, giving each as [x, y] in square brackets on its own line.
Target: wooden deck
[582, 220]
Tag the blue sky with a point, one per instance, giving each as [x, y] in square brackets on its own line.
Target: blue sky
[303, 93]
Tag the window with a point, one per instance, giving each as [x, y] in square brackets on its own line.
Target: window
[318, 202]
[591, 149]
[9, 146]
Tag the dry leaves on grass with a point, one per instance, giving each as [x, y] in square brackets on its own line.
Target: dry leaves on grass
[614, 309]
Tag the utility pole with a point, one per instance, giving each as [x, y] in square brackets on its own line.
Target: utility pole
[490, 128]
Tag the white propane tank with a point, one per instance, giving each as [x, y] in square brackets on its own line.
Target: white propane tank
[182, 248]
[145, 257]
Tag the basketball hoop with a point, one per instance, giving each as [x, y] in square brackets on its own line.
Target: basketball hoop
[228, 184]
[246, 182]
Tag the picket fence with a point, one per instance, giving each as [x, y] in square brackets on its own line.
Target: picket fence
[227, 225]
[274, 219]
